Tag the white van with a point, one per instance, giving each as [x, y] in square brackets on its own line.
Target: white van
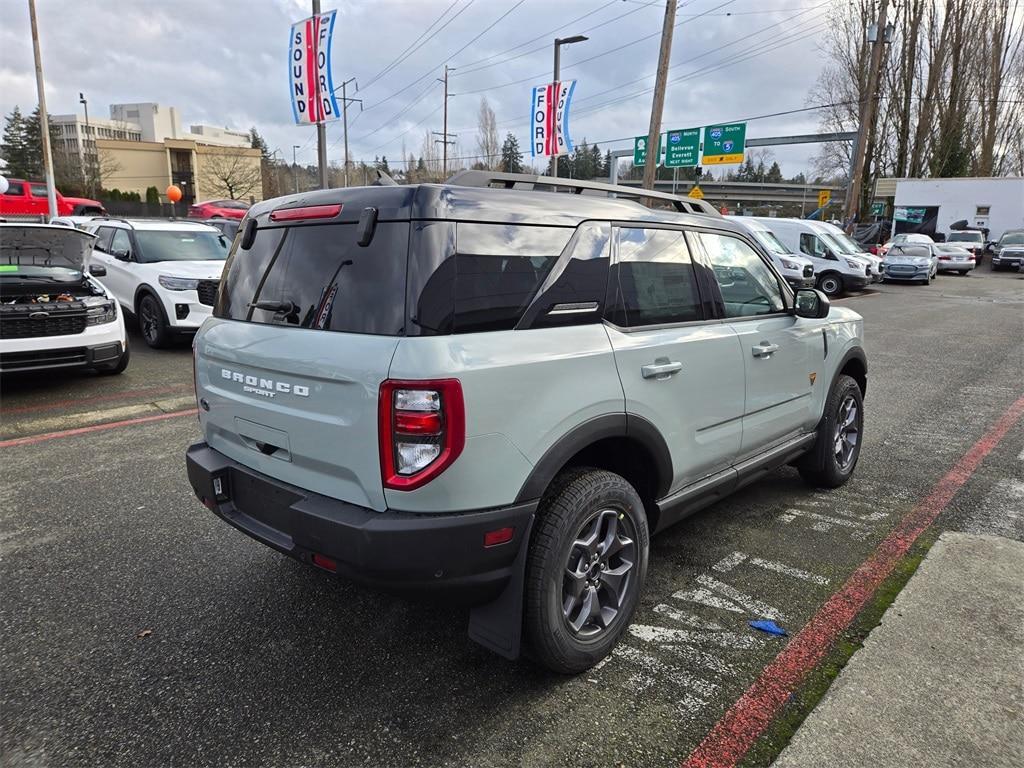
[798, 270]
[850, 247]
[835, 273]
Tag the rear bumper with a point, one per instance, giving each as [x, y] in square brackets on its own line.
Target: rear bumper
[398, 551]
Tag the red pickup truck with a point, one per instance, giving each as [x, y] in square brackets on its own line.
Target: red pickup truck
[28, 198]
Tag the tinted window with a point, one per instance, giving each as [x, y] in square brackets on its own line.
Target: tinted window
[748, 285]
[574, 291]
[655, 282]
[120, 242]
[317, 276]
[103, 235]
[15, 188]
[184, 245]
[38, 190]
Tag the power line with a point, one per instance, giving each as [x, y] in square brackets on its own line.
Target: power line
[407, 52]
[535, 78]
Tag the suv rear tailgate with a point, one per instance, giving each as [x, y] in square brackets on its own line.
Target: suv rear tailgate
[299, 405]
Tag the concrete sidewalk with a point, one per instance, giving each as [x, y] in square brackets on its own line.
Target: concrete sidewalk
[940, 682]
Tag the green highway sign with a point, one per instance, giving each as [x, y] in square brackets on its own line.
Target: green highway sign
[682, 148]
[723, 144]
[640, 150]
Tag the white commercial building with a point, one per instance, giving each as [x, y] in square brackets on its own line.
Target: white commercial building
[995, 204]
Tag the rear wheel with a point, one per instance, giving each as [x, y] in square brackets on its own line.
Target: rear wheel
[152, 322]
[830, 284]
[585, 570]
[831, 461]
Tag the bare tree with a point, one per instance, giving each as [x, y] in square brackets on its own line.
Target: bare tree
[488, 143]
[231, 174]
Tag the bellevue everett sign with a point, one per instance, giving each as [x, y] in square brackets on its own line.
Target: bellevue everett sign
[723, 145]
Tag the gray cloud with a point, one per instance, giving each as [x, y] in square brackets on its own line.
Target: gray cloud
[224, 63]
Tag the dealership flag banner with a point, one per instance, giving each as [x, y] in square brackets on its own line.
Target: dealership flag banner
[309, 62]
[549, 119]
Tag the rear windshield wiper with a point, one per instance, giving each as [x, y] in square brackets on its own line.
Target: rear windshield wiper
[277, 307]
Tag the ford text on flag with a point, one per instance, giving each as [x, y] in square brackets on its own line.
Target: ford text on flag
[549, 119]
[309, 64]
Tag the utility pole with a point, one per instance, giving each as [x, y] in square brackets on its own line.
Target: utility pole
[295, 177]
[556, 73]
[344, 117]
[321, 127]
[654, 132]
[867, 116]
[44, 120]
[83, 146]
[446, 138]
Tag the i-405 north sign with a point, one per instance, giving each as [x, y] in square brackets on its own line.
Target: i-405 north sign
[683, 148]
[723, 144]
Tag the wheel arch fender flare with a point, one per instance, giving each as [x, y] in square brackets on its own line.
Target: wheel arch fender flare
[855, 361]
[144, 289]
[616, 425]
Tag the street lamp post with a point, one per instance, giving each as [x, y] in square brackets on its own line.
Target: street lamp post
[84, 148]
[295, 176]
[559, 42]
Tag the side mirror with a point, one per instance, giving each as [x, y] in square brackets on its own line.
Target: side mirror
[812, 303]
[121, 255]
[97, 270]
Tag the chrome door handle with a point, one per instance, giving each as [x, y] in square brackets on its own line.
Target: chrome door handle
[764, 349]
[658, 370]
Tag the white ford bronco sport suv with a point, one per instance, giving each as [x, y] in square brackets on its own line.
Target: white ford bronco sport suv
[501, 391]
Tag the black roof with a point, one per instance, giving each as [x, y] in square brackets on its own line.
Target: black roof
[483, 204]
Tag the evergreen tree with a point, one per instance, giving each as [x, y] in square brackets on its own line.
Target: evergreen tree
[14, 147]
[258, 142]
[774, 175]
[747, 171]
[606, 168]
[511, 156]
[581, 164]
[596, 163]
[382, 165]
[34, 143]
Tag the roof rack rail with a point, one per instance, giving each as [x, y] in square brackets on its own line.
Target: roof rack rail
[681, 203]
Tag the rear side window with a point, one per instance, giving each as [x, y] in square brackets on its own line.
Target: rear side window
[38, 190]
[655, 280]
[103, 235]
[317, 276]
[484, 280]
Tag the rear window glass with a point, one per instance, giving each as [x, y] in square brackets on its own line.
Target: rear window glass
[489, 281]
[163, 245]
[317, 276]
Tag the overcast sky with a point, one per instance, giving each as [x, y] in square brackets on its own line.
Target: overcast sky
[225, 63]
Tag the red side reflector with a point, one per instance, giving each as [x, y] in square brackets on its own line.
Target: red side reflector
[323, 561]
[418, 423]
[308, 212]
[498, 536]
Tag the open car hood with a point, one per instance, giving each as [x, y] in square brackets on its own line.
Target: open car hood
[43, 246]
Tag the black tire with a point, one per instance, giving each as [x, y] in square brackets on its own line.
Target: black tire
[152, 322]
[830, 284]
[823, 466]
[119, 366]
[561, 629]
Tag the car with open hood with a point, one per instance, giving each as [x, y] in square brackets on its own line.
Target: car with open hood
[53, 313]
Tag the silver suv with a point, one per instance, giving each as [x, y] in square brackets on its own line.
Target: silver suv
[502, 393]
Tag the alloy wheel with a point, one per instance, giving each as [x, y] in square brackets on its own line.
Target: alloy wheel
[847, 432]
[150, 321]
[598, 573]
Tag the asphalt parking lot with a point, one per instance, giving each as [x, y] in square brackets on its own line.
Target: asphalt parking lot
[137, 629]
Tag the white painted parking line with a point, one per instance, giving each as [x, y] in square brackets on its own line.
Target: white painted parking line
[728, 598]
[728, 563]
[686, 619]
[825, 523]
[652, 634]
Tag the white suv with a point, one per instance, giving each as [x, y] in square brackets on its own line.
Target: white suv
[161, 271]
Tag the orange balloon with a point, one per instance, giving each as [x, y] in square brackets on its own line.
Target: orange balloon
[173, 193]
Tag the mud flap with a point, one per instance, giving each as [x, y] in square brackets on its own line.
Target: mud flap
[498, 625]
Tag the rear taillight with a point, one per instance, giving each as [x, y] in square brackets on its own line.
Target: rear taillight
[944, 258]
[422, 429]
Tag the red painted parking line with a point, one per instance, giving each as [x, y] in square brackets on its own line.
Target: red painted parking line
[131, 394]
[31, 440]
[733, 735]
